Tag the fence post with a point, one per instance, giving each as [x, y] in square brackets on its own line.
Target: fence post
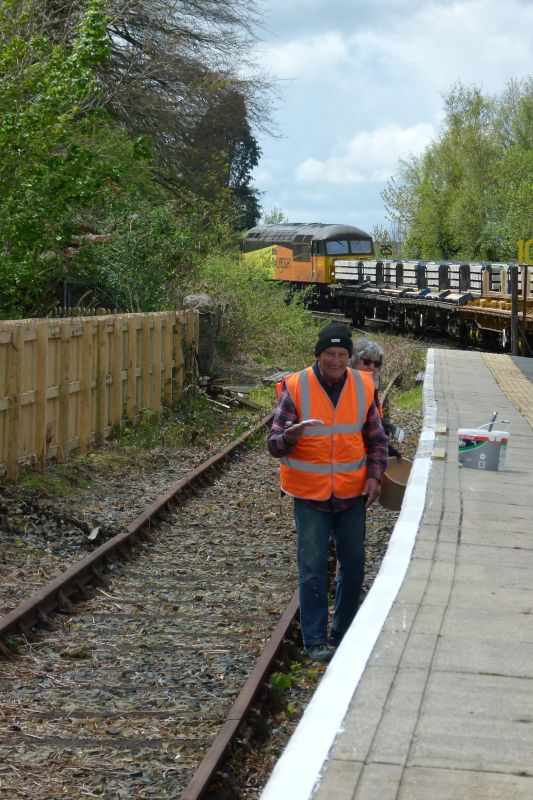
[14, 398]
[156, 349]
[168, 387]
[145, 360]
[131, 406]
[64, 385]
[86, 388]
[41, 384]
[100, 392]
[178, 354]
[116, 387]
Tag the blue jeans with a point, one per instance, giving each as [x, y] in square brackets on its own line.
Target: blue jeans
[314, 528]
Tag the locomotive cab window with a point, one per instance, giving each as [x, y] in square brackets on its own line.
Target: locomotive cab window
[337, 247]
[361, 246]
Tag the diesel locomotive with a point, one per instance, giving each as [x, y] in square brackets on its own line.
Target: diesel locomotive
[470, 302]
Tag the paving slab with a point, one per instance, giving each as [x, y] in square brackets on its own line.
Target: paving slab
[445, 784]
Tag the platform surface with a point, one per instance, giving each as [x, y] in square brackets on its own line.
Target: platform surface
[437, 702]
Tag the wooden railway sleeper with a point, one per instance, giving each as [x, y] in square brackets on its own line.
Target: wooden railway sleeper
[122, 553]
[99, 576]
[292, 651]
[80, 589]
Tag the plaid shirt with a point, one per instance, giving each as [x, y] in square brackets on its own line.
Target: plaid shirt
[374, 438]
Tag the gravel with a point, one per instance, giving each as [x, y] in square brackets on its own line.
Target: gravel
[121, 699]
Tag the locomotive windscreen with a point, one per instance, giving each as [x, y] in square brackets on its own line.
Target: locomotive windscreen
[343, 247]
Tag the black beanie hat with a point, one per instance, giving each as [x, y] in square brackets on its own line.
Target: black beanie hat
[336, 334]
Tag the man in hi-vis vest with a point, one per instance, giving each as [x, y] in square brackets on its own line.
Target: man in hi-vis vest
[332, 449]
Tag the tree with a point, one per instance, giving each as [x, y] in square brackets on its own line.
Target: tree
[171, 64]
[469, 194]
[274, 217]
[156, 190]
[50, 129]
[221, 155]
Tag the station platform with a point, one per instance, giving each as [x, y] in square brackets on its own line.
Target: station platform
[430, 694]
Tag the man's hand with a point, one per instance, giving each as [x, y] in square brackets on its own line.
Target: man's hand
[371, 491]
[292, 433]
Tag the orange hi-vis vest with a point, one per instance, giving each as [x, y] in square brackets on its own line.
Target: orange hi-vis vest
[329, 458]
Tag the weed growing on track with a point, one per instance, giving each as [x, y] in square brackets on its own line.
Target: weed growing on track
[410, 400]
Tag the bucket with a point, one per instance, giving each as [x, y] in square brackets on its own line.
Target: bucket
[393, 483]
[482, 449]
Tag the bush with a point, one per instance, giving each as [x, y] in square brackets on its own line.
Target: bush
[260, 322]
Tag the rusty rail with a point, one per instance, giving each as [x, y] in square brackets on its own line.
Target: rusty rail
[57, 593]
[207, 769]
[389, 386]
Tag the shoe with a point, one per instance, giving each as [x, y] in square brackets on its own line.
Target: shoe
[334, 638]
[320, 652]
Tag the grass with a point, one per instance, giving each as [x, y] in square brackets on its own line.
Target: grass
[410, 399]
[58, 480]
[264, 396]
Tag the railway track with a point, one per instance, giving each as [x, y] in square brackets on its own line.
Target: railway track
[124, 695]
[142, 688]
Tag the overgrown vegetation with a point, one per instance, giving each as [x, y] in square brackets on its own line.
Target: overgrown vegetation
[261, 324]
[126, 149]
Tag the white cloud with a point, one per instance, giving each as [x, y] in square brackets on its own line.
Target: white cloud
[430, 48]
[364, 88]
[306, 58]
[474, 41]
[369, 157]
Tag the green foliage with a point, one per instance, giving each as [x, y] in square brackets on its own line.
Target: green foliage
[280, 681]
[50, 129]
[59, 480]
[45, 95]
[410, 400]
[299, 676]
[469, 195]
[150, 256]
[264, 396]
[221, 155]
[274, 217]
[69, 175]
[193, 419]
[260, 322]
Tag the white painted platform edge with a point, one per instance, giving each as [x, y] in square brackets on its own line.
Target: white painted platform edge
[297, 772]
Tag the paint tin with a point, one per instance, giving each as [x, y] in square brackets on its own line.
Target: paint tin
[482, 449]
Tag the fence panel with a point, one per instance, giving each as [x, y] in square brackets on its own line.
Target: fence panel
[66, 383]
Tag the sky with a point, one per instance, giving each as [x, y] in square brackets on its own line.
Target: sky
[361, 87]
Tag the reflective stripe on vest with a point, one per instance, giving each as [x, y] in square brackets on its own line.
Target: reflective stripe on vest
[323, 469]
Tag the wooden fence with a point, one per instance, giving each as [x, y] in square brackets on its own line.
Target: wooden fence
[66, 383]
